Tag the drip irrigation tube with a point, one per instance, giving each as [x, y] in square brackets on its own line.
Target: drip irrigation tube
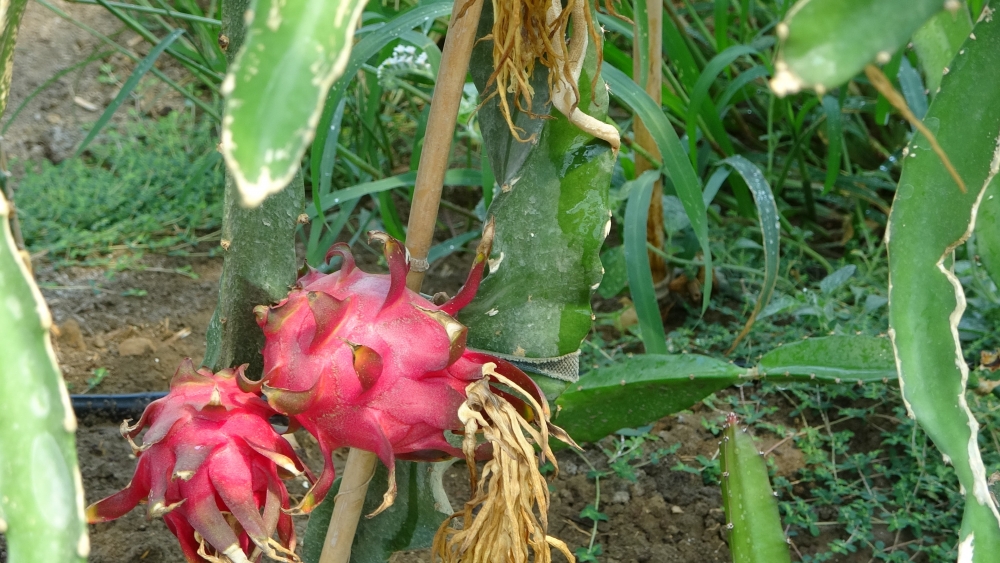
[129, 405]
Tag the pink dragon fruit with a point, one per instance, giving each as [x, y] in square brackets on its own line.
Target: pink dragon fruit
[360, 360]
[211, 465]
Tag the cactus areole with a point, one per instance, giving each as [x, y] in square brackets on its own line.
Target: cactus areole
[359, 360]
[211, 465]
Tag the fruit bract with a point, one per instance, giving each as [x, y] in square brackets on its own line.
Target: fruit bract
[211, 465]
[359, 360]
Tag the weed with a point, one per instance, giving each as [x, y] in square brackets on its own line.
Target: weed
[98, 375]
[153, 185]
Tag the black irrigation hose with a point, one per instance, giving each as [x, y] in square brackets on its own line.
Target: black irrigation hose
[114, 407]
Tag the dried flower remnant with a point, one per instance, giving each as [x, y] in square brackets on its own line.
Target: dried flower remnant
[500, 523]
[529, 31]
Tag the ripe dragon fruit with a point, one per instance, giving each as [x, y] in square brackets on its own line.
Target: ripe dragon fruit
[209, 464]
[359, 360]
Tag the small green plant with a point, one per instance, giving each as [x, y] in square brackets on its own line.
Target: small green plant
[98, 375]
[152, 185]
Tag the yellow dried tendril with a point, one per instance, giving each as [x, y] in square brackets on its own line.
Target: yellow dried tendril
[526, 31]
[500, 522]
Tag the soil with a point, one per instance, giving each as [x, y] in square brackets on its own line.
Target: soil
[55, 120]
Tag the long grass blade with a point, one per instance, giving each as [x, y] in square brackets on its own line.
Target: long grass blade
[700, 91]
[637, 264]
[770, 228]
[108, 41]
[835, 136]
[912, 87]
[209, 77]
[737, 84]
[152, 10]
[133, 80]
[456, 177]
[446, 248]
[375, 39]
[675, 163]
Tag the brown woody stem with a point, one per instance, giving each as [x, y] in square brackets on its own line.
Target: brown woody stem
[419, 236]
[884, 86]
[654, 87]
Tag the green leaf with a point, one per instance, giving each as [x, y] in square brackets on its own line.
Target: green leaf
[456, 177]
[824, 43]
[552, 214]
[592, 513]
[988, 231]
[637, 264]
[675, 162]
[41, 495]
[835, 138]
[126, 90]
[938, 41]
[639, 390]
[324, 148]
[752, 519]
[770, 229]
[912, 88]
[836, 280]
[700, 93]
[293, 51]
[832, 359]
[929, 218]
[8, 36]
[410, 523]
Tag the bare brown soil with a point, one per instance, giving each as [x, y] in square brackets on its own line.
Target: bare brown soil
[54, 121]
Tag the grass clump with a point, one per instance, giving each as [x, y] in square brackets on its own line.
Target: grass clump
[150, 185]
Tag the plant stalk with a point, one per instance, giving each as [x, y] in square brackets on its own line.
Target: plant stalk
[259, 246]
[437, 139]
[653, 84]
[420, 233]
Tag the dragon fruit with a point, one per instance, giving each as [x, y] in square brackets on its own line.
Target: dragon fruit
[359, 360]
[211, 465]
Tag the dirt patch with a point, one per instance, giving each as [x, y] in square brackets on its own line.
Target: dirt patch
[53, 122]
[137, 326]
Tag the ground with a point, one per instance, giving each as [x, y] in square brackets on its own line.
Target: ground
[49, 125]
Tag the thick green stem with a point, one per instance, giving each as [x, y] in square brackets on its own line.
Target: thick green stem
[259, 246]
[41, 493]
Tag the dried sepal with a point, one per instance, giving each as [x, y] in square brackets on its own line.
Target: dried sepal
[507, 518]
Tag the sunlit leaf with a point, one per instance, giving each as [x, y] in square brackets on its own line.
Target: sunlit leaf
[277, 85]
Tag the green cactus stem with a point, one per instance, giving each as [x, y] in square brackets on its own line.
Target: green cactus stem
[752, 519]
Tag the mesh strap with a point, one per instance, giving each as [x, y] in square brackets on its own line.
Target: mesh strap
[565, 367]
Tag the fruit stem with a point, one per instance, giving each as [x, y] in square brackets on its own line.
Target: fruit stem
[420, 232]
